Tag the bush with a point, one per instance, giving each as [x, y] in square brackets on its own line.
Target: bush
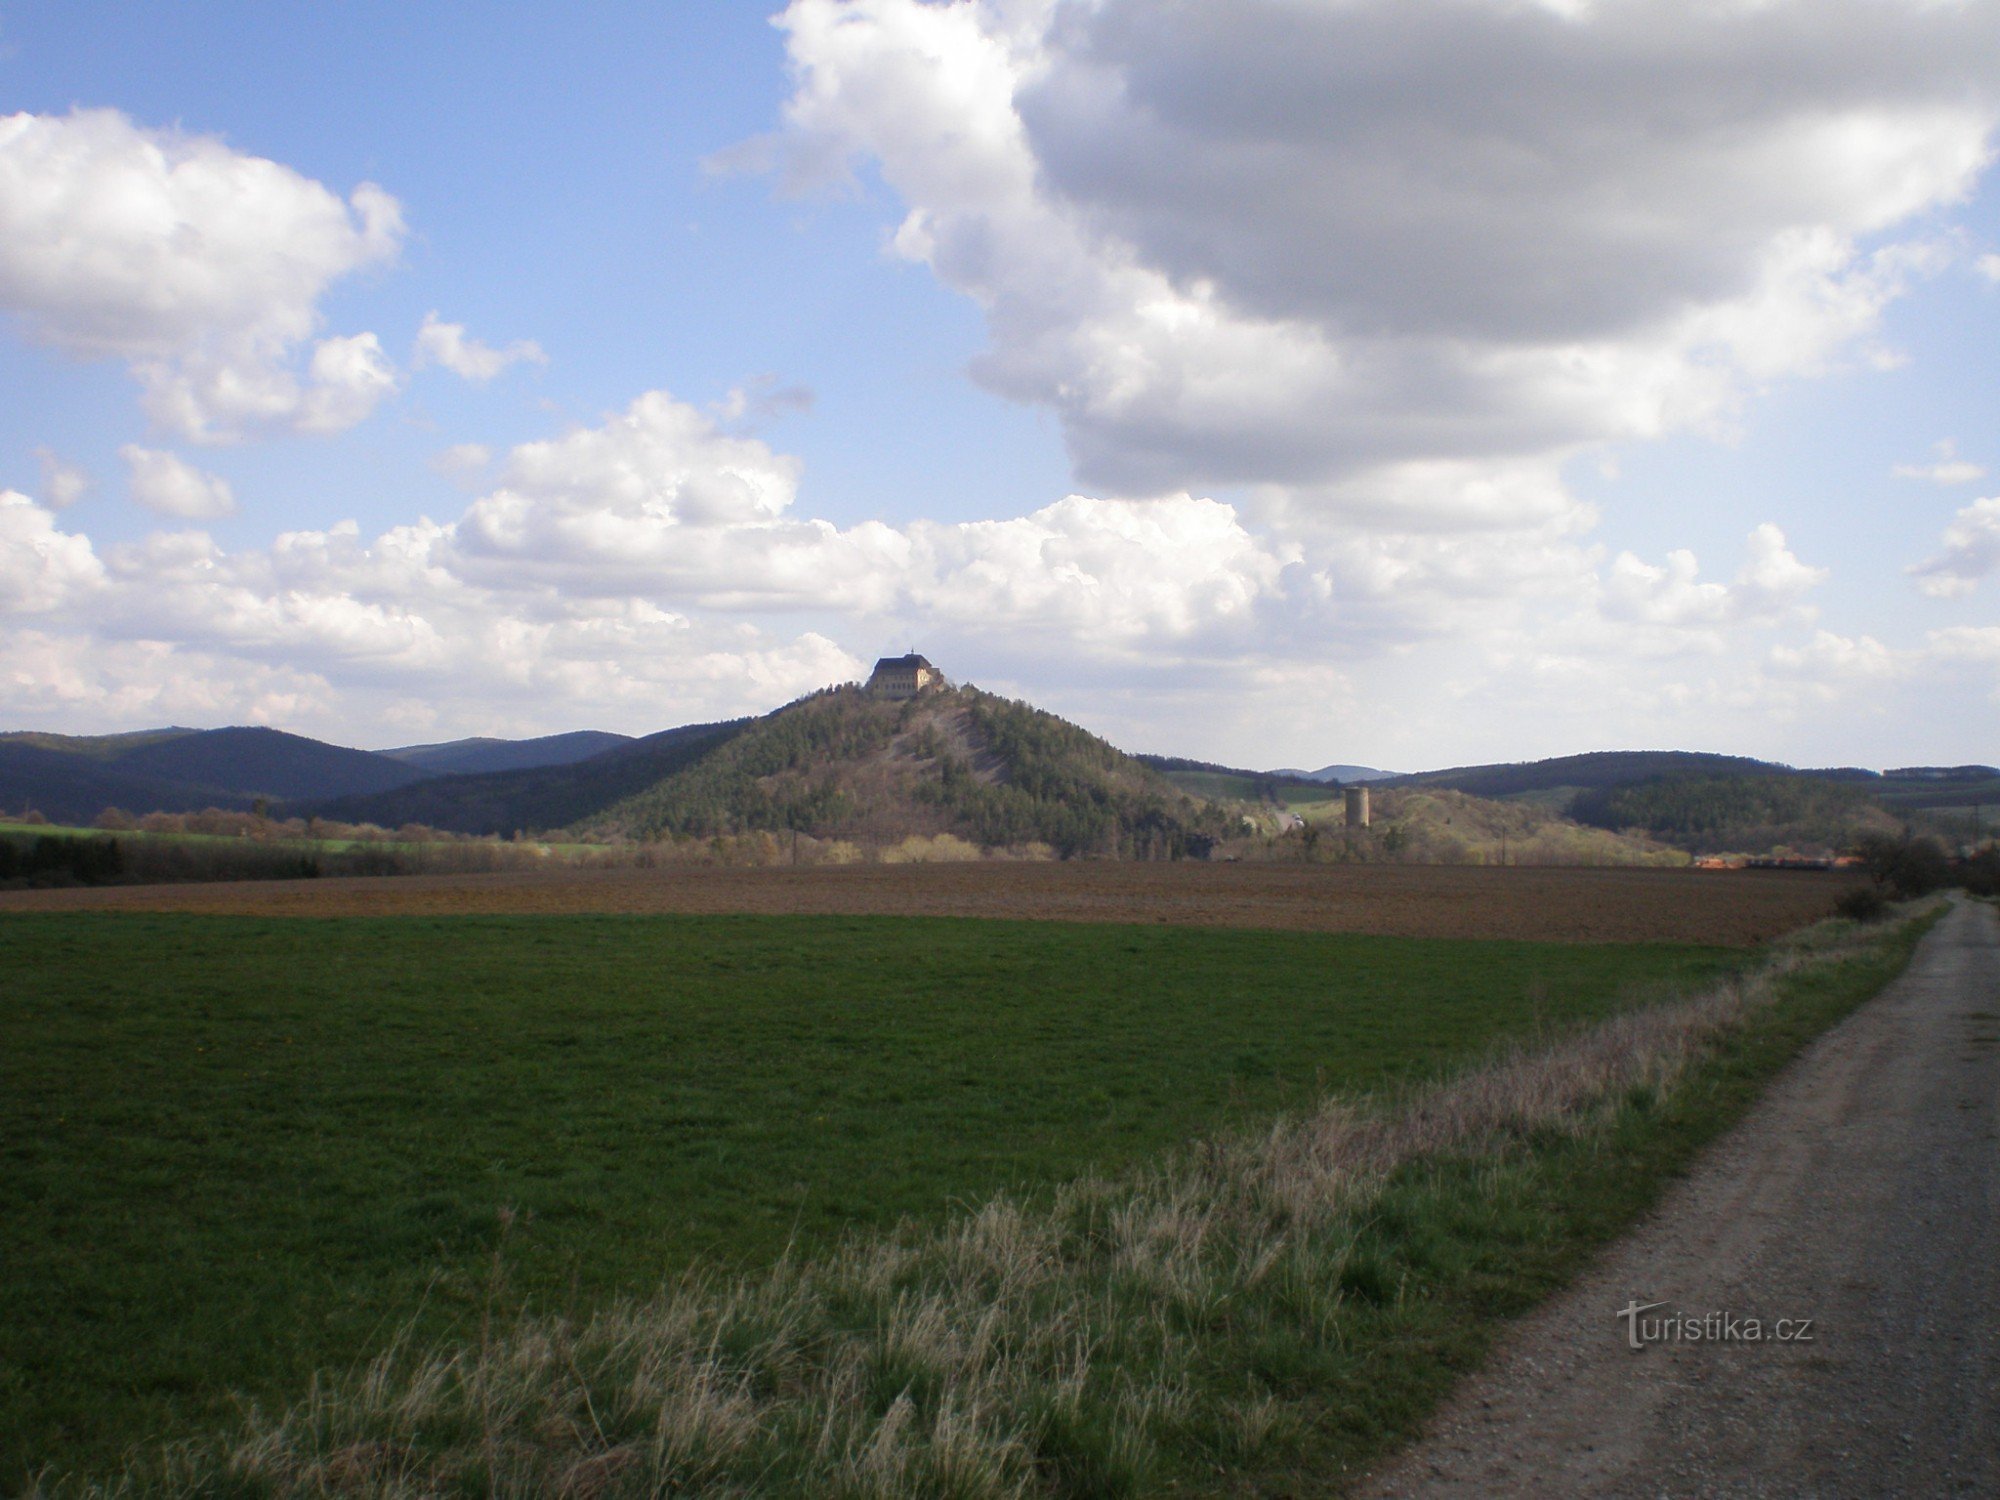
[1909, 866]
[1980, 873]
[1865, 903]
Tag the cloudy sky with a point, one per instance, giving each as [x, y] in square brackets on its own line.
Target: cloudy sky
[1411, 382]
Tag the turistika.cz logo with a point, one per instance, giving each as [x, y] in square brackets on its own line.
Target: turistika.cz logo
[1708, 1328]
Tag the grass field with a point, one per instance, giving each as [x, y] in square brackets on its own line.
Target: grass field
[234, 1151]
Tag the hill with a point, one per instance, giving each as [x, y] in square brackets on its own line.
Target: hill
[468, 757]
[1429, 825]
[1720, 814]
[70, 787]
[844, 764]
[73, 778]
[1603, 768]
[252, 762]
[1341, 774]
[91, 746]
[1201, 778]
[537, 797]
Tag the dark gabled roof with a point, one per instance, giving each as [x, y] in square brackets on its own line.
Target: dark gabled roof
[911, 661]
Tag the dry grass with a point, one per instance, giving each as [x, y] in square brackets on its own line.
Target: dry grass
[1023, 1348]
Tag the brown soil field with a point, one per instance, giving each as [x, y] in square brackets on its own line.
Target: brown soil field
[1613, 905]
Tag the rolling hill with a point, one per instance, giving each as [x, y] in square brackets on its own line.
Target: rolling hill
[68, 787]
[1721, 814]
[73, 778]
[536, 798]
[468, 757]
[1341, 773]
[251, 762]
[1603, 768]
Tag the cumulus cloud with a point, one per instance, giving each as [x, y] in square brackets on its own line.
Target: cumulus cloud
[1946, 467]
[41, 566]
[653, 568]
[166, 483]
[63, 484]
[1971, 552]
[199, 266]
[1770, 583]
[447, 345]
[1311, 246]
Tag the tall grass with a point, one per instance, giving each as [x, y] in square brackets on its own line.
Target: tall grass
[1114, 1337]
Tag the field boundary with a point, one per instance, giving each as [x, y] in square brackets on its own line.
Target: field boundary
[1263, 1313]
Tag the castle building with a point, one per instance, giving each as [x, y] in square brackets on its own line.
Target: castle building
[904, 676]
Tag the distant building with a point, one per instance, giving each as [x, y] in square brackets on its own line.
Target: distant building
[1357, 806]
[904, 676]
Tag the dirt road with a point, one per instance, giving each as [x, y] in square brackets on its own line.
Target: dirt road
[1863, 1194]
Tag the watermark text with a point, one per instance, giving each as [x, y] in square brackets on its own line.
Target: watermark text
[1658, 1323]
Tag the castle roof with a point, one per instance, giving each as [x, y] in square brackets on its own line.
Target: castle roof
[912, 661]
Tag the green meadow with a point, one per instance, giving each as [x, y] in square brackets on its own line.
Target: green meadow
[236, 1151]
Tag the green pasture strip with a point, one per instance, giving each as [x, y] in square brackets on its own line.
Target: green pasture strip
[234, 1151]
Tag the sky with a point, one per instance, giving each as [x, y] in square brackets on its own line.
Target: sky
[1277, 382]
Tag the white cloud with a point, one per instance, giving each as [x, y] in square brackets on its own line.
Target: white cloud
[199, 266]
[1971, 552]
[63, 484]
[1769, 584]
[168, 484]
[1311, 246]
[349, 377]
[1835, 661]
[1989, 266]
[446, 344]
[41, 568]
[653, 569]
[1946, 468]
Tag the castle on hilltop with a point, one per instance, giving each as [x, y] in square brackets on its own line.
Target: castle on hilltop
[904, 677]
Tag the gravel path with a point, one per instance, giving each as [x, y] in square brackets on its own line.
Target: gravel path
[1863, 1193]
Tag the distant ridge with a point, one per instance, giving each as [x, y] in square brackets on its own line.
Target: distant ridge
[254, 762]
[93, 746]
[1596, 770]
[73, 778]
[1342, 773]
[534, 797]
[460, 757]
[70, 787]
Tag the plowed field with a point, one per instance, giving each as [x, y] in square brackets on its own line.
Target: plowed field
[1560, 905]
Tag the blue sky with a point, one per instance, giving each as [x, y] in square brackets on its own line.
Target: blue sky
[1263, 380]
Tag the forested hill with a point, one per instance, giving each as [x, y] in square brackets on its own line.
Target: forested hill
[845, 765]
[1712, 814]
[1604, 768]
[465, 757]
[538, 797]
[74, 778]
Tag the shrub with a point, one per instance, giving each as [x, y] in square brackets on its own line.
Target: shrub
[1865, 903]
